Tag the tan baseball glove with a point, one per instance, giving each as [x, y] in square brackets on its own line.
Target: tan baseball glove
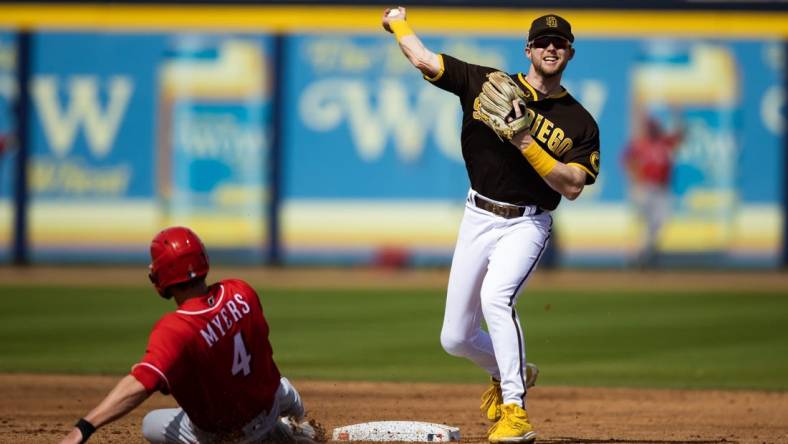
[496, 104]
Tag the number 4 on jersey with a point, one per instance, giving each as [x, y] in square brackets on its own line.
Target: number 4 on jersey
[241, 358]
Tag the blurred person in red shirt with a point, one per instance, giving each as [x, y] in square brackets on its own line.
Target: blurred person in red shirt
[648, 160]
[212, 354]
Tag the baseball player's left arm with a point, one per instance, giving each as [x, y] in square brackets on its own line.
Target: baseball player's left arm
[125, 397]
[569, 180]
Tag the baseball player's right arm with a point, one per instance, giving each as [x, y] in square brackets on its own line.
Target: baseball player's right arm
[125, 397]
[568, 180]
[429, 63]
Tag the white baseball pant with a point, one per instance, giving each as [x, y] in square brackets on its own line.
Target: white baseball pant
[493, 259]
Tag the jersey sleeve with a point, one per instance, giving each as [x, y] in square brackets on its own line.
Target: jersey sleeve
[161, 356]
[585, 154]
[460, 78]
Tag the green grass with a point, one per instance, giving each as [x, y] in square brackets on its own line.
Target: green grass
[681, 340]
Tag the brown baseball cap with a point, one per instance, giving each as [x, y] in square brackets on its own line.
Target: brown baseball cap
[551, 24]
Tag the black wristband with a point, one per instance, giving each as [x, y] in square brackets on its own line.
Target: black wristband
[86, 428]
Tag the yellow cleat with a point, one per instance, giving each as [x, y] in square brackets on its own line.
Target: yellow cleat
[493, 398]
[513, 427]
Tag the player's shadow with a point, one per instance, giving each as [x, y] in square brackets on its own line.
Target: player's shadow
[572, 440]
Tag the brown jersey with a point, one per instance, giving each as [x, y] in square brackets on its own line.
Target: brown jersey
[496, 168]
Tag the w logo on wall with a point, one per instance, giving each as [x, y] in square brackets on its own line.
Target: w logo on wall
[66, 105]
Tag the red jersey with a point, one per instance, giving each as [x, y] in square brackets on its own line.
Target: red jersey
[651, 160]
[214, 356]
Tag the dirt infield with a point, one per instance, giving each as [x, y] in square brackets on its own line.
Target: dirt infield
[42, 408]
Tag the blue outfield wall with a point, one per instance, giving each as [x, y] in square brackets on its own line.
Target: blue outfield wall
[131, 132]
[374, 149]
[134, 132]
[8, 154]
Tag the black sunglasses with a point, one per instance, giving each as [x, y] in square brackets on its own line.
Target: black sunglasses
[544, 42]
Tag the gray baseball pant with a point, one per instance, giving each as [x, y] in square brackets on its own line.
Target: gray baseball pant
[172, 426]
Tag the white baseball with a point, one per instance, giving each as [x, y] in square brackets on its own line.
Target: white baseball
[393, 13]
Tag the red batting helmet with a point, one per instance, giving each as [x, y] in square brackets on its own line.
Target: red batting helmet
[177, 256]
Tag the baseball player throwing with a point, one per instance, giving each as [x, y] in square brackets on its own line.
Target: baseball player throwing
[212, 354]
[526, 142]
